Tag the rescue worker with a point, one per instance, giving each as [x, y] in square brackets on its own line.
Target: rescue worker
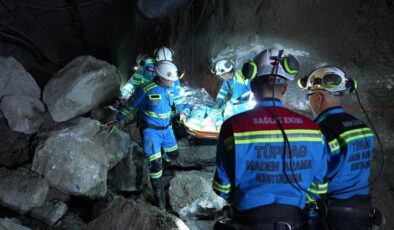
[234, 93]
[154, 103]
[145, 70]
[269, 156]
[350, 146]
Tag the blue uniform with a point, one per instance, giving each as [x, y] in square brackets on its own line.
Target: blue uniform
[145, 73]
[237, 91]
[154, 103]
[249, 163]
[350, 145]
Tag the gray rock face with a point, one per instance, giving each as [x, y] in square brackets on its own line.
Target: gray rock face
[15, 80]
[22, 189]
[75, 156]
[195, 156]
[24, 114]
[80, 86]
[192, 196]
[130, 214]
[131, 174]
[50, 212]
[12, 154]
[11, 224]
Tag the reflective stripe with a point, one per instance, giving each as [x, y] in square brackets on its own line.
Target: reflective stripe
[334, 145]
[246, 94]
[158, 115]
[156, 175]
[171, 149]
[221, 188]
[167, 159]
[309, 199]
[318, 188]
[355, 134]
[149, 87]
[155, 156]
[276, 136]
[150, 61]
[126, 110]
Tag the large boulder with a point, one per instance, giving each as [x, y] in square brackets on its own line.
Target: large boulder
[15, 80]
[50, 212]
[80, 86]
[11, 154]
[130, 174]
[192, 196]
[22, 189]
[195, 154]
[24, 114]
[130, 214]
[11, 224]
[75, 156]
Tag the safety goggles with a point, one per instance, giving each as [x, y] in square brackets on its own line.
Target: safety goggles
[329, 78]
[328, 81]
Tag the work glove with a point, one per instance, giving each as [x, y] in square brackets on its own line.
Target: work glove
[112, 126]
[182, 118]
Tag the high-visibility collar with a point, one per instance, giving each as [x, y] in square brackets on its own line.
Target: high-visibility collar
[325, 113]
[266, 102]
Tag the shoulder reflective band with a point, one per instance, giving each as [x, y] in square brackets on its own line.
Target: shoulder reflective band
[355, 134]
[149, 87]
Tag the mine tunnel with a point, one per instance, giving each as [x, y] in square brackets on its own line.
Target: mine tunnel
[65, 163]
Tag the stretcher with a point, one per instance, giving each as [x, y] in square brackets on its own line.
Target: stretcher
[201, 133]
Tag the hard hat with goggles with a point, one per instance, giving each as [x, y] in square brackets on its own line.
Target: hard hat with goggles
[265, 62]
[330, 78]
[222, 67]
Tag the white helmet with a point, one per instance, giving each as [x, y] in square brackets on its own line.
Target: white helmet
[167, 70]
[330, 78]
[223, 66]
[265, 61]
[164, 53]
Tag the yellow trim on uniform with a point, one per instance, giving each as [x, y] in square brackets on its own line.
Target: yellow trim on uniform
[221, 188]
[334, 145]
[158, 115]
[156, 174]
[171, 149]
[155, 156]
[149, 86]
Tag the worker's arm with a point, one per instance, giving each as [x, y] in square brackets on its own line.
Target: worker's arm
[133, 83]
[131, 105]
[223, 182]
[177, 97]
[319, 184]
[222, 95]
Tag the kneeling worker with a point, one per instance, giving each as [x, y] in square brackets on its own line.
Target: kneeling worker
[154, 103]
[268, 157]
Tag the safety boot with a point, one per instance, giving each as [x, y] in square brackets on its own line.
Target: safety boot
[158, 190]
